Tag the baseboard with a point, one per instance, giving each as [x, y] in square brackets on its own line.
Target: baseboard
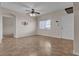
[55, 37]
[75, 53]
[21, 36]
[48, 35]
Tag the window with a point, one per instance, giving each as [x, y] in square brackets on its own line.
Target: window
[45, 24]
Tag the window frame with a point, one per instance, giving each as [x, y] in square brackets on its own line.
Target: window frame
[45, 25]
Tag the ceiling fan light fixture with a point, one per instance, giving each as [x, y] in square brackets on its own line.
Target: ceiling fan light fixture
[32, 14]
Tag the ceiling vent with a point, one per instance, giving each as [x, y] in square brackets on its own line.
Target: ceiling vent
[69, 10]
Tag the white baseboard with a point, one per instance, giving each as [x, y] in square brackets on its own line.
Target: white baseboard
[55, 36]
[48, 35]
[76, 53]
[20, 36]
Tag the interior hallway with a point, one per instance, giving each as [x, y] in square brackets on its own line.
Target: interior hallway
[36, 45]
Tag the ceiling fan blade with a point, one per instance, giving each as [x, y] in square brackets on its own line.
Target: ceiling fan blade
[37, 12]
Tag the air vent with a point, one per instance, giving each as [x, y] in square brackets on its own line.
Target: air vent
[69, 10]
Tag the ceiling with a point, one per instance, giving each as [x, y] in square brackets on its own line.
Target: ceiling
[42, 7]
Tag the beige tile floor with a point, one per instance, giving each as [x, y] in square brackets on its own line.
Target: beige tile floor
[36, 46]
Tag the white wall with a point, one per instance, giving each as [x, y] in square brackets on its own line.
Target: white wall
[68, 26]
[26, 30]
[55, 28]
[8, 25]
[0, 28]
[66, 21]
[53, 32]
[76, 28]
[20, 29]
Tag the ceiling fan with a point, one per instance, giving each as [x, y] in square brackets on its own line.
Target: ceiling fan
[32, 12]
[31, 9]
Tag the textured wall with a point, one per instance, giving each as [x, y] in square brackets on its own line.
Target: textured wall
[76, 28]
[26, 30]
[0, 28]
[66, 21]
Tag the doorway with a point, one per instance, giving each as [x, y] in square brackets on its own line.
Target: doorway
[8, 27]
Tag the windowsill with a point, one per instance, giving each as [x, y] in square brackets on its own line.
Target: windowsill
[45, 29]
